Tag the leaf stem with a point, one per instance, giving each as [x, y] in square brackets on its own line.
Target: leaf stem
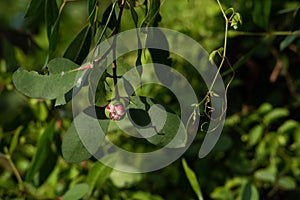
[272, 33]
[114, 44]
[224, 46]
[7, 156]
[207, 98]
[106, 24]
[223, 55]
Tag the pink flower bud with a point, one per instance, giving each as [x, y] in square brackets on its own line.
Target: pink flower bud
[115, 111]
[119, 108]
[110, 107]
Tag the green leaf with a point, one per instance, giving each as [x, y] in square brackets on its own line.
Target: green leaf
[97, 89]
[275, 114]
[287, 41]
[53, 22]
[14, 141]
[224, 143]
[73, 150]
[234, 182]
[134, 16]
[76, 192]
[92, 4]
[212, 56]
[77, 50]
[157, 38]
[123, 68]
[40, 110]
[298, 48]
[100, 95]
[109, 17]
[53, 37]
[99, 173]
[288, 126]
[62, 79]
[156, 123]
[190, 174]
[222, 193]
[143, 195]
[9, 55]
[152, 14]
[34, 7]
[264, 108]
[287, 183]
[267, 175]
[236, 20]
[261, 12]
[35, 14]
[85, 135]
[44, 159]
[249, 192]
[51, 15]
[126, 88]
[59, 65]
[255, 134]
[123, 179]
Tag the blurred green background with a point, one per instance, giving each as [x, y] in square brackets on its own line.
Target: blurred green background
[258, 154]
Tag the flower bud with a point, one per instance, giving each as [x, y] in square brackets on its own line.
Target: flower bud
[115, 110]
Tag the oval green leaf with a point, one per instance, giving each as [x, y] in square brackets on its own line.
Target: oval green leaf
[82, 141]
[76, 192]
[287, 183]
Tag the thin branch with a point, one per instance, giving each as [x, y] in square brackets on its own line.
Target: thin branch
[7, 156]
[272, 33]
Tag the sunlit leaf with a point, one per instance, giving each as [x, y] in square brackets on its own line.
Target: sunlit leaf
[287, 183]
[14, 141]
[39, 108]
[267, 175]
[264, 108]
[190, 174]
[236, 20]
[255, 134]
[123, 179]
[59, 65]
[212, 56]
[76, 192]
[62, 79]
[275, 114]
[222, 193]
[288, 126]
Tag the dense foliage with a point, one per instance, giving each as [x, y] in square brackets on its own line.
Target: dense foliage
[43, 46]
